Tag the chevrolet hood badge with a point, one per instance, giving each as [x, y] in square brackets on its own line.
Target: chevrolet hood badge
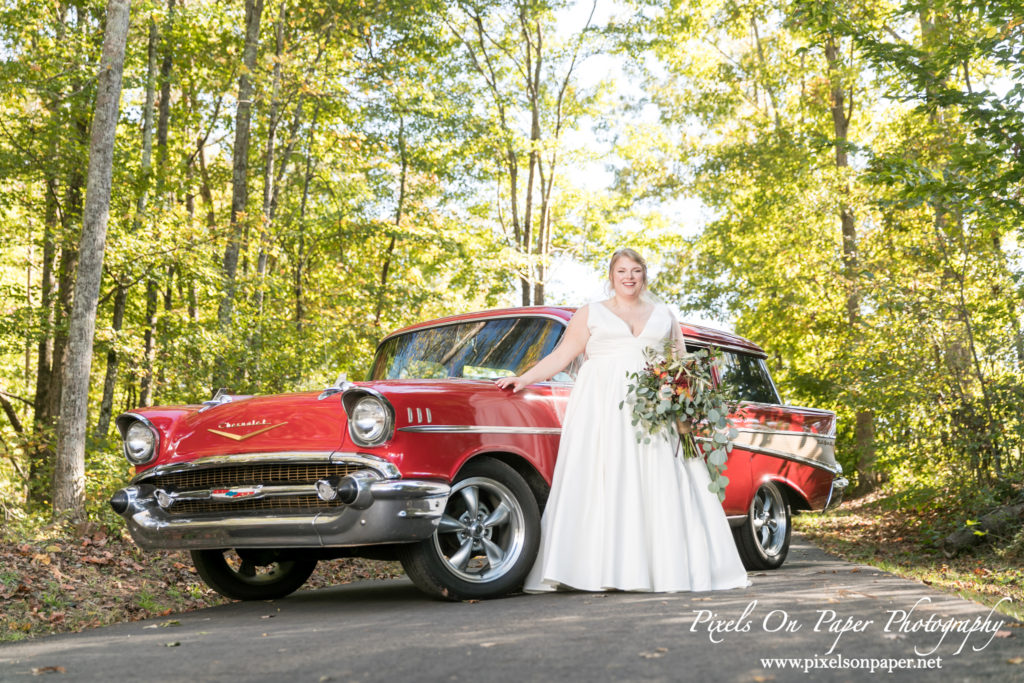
[243, 437]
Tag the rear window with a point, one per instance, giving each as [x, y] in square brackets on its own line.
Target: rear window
[478, 349]
[746, 378]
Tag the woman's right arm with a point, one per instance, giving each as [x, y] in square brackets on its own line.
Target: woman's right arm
[573, 342]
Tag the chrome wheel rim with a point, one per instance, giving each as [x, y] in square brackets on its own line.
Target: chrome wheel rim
[253, 573]
[768, 514]
[482, 532]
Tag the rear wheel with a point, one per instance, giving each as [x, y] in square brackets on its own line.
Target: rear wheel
[486, 540]
[763, 540]
[251, 574]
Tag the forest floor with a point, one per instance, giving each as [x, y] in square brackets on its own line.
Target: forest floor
[66, 578]
[884, 532]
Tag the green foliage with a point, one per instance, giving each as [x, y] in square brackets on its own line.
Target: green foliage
[861, 219]
[384, 203]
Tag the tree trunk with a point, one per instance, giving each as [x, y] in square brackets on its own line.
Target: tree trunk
[68, 257]
[298, 282]
[269, 192]
[147, 383]
[399, 212]
[164, 115]
[149, 352]
[110, 378]
[69, 474]
[239, 177]
[864, 425]
[42, 416]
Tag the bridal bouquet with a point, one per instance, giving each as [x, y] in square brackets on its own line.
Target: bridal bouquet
[676, 392]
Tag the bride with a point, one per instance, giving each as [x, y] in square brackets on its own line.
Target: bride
[623, 515]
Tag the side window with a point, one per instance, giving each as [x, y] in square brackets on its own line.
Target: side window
[746, 378]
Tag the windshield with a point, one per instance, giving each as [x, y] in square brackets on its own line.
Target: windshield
[477, 349]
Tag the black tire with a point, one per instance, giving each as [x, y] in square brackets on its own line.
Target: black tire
[251, 574]
[483, 552]
[763, 539]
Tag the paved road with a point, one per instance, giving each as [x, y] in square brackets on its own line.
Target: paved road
[387, 631]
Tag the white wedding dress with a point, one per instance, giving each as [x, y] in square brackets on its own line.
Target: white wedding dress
[623, 515]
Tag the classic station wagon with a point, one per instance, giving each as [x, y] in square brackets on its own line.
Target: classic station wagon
[430, 463]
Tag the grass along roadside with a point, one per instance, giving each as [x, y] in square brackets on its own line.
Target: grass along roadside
[877, 530]
[65, 578]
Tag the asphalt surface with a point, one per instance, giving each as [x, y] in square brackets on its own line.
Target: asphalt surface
[816, 610]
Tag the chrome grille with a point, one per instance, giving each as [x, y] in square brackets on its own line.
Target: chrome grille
[293, 503]
[252, 475]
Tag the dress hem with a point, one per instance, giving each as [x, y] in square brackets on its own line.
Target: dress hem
[549, 586]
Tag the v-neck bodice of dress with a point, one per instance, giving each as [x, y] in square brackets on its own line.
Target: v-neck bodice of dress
[611, 336]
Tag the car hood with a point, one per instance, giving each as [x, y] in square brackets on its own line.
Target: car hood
[249, 424]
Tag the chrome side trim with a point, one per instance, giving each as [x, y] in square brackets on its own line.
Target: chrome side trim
[480, 429]
[386, 468]
[820, 438]
[780, 454]
[704, 344]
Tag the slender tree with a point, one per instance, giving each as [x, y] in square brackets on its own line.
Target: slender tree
[69, 474]
[239, 176]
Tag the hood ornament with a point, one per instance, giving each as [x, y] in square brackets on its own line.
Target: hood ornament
[341, 384]
[220, 397]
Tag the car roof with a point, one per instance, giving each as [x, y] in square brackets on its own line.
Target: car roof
[700, 334]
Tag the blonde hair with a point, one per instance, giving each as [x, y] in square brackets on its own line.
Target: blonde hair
[632, 255]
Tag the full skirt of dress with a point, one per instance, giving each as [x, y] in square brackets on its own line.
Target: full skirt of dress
[624, 515]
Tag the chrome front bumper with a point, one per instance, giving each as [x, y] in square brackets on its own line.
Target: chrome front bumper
[398, 510]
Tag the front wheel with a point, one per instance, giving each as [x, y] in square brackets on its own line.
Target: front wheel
[486, 540]
[251, 574]
[763, 540]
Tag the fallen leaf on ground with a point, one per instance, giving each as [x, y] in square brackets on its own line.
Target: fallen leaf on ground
[40, 670]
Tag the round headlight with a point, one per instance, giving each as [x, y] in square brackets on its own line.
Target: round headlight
[369, 421]
[139, 443]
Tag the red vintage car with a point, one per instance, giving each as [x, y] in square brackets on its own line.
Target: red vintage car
[428, 462]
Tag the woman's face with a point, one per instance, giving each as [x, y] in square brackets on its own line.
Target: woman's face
[627, 277]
